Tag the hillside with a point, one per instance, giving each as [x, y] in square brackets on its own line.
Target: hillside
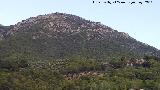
[3, 31]
[60, 35]
[61, 51]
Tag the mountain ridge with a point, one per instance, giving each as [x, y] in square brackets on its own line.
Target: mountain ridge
[77, 35]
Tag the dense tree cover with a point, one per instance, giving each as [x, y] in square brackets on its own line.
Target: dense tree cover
[26, 64]
[77, 65]
[77, 74]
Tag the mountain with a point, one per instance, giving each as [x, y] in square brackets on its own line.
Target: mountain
[61, 51]
[60, 35]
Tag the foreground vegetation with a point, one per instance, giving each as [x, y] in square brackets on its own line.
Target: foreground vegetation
[77, 73]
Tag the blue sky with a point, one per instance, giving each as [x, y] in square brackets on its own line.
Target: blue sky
[141, 21]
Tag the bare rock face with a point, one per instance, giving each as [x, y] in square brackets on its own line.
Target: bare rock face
[65, 23]
[60, 20]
